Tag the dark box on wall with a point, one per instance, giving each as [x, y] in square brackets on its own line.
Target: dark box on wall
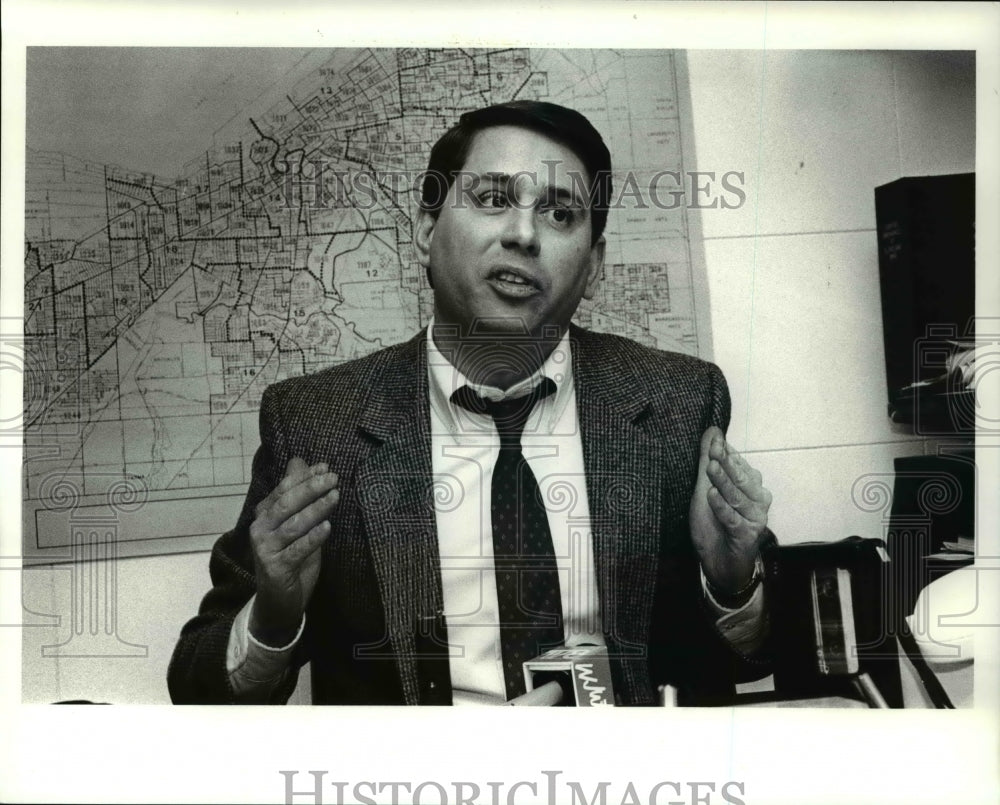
[926, 239]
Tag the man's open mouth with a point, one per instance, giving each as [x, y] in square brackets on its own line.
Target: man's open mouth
[512, 283]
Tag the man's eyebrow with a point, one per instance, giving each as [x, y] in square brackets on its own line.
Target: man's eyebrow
[564, 194]
[549, 192]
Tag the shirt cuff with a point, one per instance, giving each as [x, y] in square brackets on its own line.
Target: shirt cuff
[254, 668]
[745, 628]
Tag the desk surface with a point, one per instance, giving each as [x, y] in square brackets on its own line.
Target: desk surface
[842, 702]
[761, 693]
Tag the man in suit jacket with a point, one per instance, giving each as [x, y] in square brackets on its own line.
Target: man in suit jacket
[338, 553]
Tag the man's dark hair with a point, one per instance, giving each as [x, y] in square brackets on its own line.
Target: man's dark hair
[566, 126]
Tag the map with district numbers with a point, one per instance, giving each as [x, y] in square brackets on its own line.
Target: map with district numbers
[157, 309]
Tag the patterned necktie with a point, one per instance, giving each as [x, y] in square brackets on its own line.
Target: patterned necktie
[524, 560]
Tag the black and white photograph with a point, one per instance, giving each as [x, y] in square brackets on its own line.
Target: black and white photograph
[425, 369]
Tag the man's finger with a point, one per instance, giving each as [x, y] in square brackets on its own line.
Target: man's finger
[718, 447]
[296, 500]
[723, 482]
[296, 471]
[300, 549]
[302, 502]
[725, 513]
[739, 527]
[708, 441]
[273, 541]
[744, 477]
[752, 509]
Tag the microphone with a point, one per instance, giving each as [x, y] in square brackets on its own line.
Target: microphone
[575, 677]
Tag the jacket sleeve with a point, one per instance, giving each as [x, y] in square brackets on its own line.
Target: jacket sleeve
[197, 673]
[691, 652]
[719, 409]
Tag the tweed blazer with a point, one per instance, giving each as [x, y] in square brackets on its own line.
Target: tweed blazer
[375, 630]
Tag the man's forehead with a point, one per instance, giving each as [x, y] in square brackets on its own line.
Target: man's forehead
[501, 153]
[518, 142]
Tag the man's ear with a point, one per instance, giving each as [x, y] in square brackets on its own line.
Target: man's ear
[423, 234]
[595, 269]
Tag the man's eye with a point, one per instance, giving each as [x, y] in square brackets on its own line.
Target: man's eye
[493, 198]
[560, 216]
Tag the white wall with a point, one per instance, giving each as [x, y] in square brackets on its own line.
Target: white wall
[793, 273]
[155, 597]
[793, 279]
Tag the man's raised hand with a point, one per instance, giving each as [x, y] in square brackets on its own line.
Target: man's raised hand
[290, 526]
[728, 513]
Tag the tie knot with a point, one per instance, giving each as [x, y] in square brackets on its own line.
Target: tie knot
[508, 415]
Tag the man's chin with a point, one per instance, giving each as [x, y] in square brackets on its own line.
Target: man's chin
[498, 350]
[512, 327]
[507, 326]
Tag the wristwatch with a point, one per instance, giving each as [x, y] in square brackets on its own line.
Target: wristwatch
[741, 597]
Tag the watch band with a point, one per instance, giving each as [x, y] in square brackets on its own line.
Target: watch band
[741, 597]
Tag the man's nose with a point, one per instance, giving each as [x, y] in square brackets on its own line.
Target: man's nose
[521, 230]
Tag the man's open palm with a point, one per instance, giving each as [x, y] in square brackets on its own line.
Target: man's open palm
[728, 513]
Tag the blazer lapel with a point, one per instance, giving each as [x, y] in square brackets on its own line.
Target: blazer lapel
[394, 487]
[625, 472]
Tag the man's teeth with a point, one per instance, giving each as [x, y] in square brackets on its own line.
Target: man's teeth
[507, 277]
